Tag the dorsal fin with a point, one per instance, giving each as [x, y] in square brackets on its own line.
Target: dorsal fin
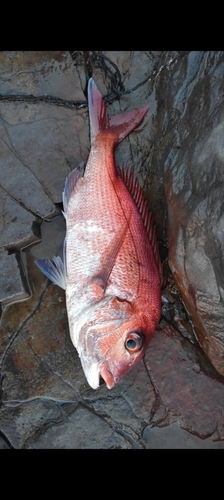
[131, 182]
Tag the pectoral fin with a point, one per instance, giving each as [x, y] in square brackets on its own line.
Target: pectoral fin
[109, 258]
[54, 269]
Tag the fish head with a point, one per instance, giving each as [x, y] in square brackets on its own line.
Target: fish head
[113, 342]
[120, 351]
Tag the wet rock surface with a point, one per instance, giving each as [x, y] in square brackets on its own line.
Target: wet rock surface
[174, 398]
[191, 154]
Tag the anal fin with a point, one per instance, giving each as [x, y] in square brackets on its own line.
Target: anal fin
[70, 183]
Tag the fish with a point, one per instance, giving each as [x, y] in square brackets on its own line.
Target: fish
[110, 268]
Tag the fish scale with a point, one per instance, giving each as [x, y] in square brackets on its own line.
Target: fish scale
[111, 267]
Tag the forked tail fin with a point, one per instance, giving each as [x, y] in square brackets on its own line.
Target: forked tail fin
[118, 126]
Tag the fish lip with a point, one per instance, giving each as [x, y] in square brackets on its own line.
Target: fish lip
[91, 373]
[106, 375]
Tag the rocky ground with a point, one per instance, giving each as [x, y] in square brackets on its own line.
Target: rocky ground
[174, 398]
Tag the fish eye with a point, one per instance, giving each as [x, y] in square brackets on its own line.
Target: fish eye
[133, 342]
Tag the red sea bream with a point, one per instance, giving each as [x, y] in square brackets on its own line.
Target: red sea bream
[111, 267]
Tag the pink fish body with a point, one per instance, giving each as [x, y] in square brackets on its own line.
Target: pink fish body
[111, 267]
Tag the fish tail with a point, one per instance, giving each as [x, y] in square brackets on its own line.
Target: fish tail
[118, 126]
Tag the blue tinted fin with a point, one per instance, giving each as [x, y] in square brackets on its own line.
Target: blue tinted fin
[54, 269]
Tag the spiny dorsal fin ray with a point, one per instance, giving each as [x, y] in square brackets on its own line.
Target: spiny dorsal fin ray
[70, 183]
[131, 182]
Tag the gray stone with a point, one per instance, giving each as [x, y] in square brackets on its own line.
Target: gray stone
[13, 289]
[15, 223]
[173, 437]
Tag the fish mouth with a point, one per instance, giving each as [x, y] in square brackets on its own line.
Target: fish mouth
[106, 375]
[96, 370]
[92, 374]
